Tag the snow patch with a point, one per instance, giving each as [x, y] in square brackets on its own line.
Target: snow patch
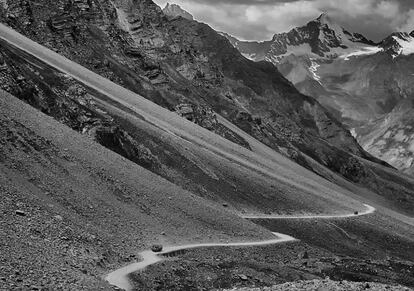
[363, 51]
[314, 70]
[249, 56]
[354, 133]
[298, 50]
[407, 45]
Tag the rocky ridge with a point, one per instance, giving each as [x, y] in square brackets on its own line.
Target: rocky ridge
[320, 38]
[399, 43]
[363, 84]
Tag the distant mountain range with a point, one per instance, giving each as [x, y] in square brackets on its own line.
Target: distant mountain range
[322, 38]
[366, 85]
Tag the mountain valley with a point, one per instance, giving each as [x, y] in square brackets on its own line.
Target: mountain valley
[133, 133]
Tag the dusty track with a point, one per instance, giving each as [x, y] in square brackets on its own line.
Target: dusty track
[119, 277]
[369, 210]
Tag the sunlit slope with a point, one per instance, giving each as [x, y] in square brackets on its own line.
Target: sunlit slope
[285, 172]
[48, 161]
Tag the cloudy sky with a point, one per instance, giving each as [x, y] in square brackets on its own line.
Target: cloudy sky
[260, 19]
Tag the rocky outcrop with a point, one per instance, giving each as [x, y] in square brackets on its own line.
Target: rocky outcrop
[174, 10]
[71, 105]
[206, 117]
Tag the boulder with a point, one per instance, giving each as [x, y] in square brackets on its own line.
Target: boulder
[20, 213]
[243, 277]
[156, 248]
[303, 255]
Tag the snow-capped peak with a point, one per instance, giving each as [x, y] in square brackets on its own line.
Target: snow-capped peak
[332, 29]
[406, 43]
[321, 38]
[399, 43]
[325, 19]
[327, 22]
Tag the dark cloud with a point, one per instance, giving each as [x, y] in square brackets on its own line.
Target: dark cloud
[260, 19]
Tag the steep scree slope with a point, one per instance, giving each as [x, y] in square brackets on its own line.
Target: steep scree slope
[187, 67]
[173, 62]
[72, 210]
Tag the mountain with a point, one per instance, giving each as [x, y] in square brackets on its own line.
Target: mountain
[400, 43]
[125, 131]
[174, 10]
[320, 38]
[188, 68]
[363, 84]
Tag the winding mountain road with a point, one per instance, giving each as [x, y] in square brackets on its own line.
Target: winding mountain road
[369, 210]
[262, 160]
[119, 277]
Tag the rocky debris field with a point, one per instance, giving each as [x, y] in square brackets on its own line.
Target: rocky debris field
[327, 285]
[252, 267]
[339, 249]
[71, 211]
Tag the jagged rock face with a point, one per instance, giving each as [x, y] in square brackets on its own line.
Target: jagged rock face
[174, 10]
[391, 136]
[178, 61]
[70, 103]
[321, 37]
[364, 85]
[399, 43]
